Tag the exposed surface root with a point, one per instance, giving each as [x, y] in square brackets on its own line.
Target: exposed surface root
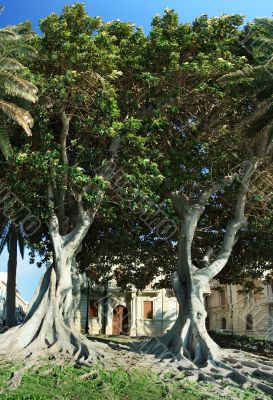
[248, 370]
[245, 369]
[85, 353]
[236, 369]
[49, 330]
[160, 348]
[37, 360]
[70, 345]
[165, 348]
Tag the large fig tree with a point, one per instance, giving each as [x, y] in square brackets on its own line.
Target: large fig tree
[78, 138]
[198, 128]
[212, 186]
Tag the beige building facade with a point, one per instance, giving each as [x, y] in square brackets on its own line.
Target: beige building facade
[21, 304]
[152, 312]
[241, 313]
[113, 312]
[110, 311]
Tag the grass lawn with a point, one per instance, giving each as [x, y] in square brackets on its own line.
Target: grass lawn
[56, 382]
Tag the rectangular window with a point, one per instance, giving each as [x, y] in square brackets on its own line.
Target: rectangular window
[93, 309]
[222, 298]
[148, 310]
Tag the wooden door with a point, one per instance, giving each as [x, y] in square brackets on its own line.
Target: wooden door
[125, 322]
[117, 320]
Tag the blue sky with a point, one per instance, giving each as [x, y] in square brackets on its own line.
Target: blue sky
[28, 275]
[139, 12]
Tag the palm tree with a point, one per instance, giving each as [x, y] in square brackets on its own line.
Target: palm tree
[13, 86]
[11, 236]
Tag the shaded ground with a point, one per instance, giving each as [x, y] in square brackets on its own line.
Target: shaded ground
[226, 340]
[252, 345]
[124, 373]
[246, 369]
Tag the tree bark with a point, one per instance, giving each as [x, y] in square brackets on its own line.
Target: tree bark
[188, 338]
[11, 281]
[49, 326]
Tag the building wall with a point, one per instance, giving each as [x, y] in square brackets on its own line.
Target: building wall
[227, 310]
[21, 304]
[2, 299]
[238, 307]
[165, 309]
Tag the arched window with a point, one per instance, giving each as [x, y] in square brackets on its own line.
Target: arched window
[224, 323]
[249, 322]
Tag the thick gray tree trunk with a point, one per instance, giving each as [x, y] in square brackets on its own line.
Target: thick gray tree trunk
[49, 326]
[188, 338]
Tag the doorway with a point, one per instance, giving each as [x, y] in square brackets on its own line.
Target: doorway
[120, 320]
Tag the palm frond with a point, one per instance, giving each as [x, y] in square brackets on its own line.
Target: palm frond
[21, 240]
[18, 114]
[14, 85]
[13, 44]
[5, 236]
[5, 145]
[8, 33]
[10, 64]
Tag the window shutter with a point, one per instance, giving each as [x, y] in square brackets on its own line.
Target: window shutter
[93, 309]
[148, 310]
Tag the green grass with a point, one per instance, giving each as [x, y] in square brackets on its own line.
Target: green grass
[55, 382]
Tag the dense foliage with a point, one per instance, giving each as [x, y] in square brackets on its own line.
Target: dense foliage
[178, 125]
